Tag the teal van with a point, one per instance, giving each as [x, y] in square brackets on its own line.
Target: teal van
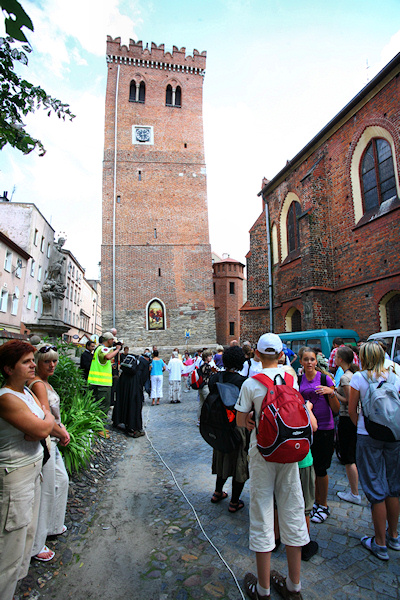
[317, 338]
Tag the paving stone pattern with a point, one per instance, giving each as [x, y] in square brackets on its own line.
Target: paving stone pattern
[184, 566]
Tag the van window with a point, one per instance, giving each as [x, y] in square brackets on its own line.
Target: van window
[314, 343]
[396, 352]
[350, 341]
[296, 344]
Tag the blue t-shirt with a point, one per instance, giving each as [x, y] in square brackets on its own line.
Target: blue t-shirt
[157, 367]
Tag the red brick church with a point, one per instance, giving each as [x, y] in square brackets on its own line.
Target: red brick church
[334, 225]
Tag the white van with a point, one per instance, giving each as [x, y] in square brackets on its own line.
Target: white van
[392, 341]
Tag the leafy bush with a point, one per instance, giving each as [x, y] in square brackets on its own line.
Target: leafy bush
[80, 412]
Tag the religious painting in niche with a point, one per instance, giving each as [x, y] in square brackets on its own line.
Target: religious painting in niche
[156, 315]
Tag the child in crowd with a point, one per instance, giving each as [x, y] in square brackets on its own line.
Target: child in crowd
[266, 480]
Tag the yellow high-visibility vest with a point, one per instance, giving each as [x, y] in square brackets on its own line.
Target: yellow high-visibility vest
[100, 374]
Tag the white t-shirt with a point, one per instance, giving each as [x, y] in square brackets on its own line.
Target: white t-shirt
[359, 383]
[252, 394]
[175, 368]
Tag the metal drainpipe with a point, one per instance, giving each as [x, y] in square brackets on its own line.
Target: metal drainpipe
[270, 294]
[115, 196]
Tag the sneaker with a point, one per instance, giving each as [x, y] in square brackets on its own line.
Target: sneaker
[392, 543]
[378, 551]
[350, 497]
[321, 514]
[309, 550]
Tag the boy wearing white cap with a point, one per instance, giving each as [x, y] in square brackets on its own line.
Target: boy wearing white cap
[268, 479]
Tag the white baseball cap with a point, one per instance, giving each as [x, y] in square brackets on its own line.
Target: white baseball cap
[270, 343]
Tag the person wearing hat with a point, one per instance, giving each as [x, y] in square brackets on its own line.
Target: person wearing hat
[100, 373]
[269, 480]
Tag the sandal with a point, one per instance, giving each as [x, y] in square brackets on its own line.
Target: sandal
[45, 550]
[321, 514]
[218, 496]
[250, 585]
[235, 506]
[279, 584]
[104, 434]
[378, 551]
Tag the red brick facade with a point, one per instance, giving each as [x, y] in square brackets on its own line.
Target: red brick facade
[228, 297]
[157, 187]
[346, 265]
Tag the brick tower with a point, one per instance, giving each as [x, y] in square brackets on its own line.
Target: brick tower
[156, 256]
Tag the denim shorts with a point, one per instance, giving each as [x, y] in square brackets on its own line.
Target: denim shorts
[378, 466]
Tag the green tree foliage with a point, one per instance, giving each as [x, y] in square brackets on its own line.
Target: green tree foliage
[19, 97]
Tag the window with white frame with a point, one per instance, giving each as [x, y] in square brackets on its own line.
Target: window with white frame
[18, 270]
[39, 274]
[36, 305]
[42, 244]
[33, 268]
[3, 300]
[48, 250]
[7, 261]
[35, 237]
[14, 304]
[29, 301]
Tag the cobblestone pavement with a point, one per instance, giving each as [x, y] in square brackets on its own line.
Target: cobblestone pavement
[178, 562]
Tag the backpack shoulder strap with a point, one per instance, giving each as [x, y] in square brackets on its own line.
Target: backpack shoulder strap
[264, 379]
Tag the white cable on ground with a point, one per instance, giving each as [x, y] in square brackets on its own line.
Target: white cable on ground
[192, 508]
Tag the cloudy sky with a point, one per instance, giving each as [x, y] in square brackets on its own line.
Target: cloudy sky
[277, 72]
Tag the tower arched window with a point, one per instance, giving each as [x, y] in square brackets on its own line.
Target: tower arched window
[378, 181]
[293, 236]
[173, 96]
[137, 91]
[168, 96]
[178, 96]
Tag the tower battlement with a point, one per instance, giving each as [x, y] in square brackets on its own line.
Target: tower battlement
[155, 57]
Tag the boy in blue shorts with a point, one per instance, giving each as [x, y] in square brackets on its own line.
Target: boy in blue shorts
[266, 480]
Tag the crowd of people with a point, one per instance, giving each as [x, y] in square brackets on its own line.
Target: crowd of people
[284, 497]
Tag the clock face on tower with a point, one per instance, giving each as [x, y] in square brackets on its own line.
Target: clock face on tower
[142, 135]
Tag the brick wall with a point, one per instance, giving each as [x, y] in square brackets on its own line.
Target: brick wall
[228, 283]
[345, 265]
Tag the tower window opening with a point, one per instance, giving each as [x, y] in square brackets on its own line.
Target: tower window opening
[137, 91]
[185, 145]
[155, 233]
[173, 96]
[140, 175]
[159, 272]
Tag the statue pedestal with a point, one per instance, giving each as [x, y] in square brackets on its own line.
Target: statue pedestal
[48, 327]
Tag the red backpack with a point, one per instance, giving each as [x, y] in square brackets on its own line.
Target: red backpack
[284, 433]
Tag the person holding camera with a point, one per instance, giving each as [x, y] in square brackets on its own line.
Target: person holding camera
[100, 373]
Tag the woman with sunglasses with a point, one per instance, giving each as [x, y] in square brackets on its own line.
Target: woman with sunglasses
[23, 423]
[54, 494]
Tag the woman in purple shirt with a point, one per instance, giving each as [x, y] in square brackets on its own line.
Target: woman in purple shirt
[322, 397]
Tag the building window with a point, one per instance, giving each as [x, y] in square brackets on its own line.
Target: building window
[29, 301]
[378, 181]
[7, 262]
[293, 227]
[35, 237]
[214, 287]
[33, 268]
[393, 313]
[231, 287]
[14, 305]
[3, 300]
[48, 250]
[173, 96]
[42, 244]
[39, 273]
[36, 305]
[65, 315]
[137, 92]
[231, 328]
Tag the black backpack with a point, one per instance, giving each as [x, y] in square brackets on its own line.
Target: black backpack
[215, 426]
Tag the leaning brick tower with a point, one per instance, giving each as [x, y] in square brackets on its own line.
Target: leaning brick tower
[156, 257]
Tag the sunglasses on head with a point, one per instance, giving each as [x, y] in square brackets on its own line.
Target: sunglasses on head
[45, 349]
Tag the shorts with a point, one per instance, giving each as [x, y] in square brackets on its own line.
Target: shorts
[378, 466]
[322, 451]
[347, 435]
[267, 479]
[307, 478]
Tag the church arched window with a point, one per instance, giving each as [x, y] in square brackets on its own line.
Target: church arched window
[178, 96]
[173, 96]
[142, 91]
[378, 181]
[132, 91]
[293, 236]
